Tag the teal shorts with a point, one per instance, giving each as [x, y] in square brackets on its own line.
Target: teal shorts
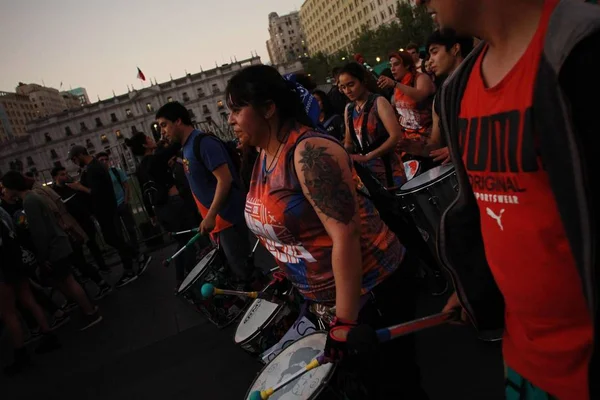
[519, 388]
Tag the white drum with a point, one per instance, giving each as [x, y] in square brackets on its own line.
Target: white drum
[291, 360]
[220, 310]
[412, 168]
[264, 324]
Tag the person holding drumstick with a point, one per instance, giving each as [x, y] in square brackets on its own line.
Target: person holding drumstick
[331, 244]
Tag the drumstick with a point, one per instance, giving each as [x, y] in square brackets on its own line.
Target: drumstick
[363, 338]
[208, 290]
[183, 232]
[188, 244]
[265, 394]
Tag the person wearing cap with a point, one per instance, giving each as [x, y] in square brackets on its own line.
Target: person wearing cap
[96, 182]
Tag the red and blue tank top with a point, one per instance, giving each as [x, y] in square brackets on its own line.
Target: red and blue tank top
[376, 133]
[279, 214]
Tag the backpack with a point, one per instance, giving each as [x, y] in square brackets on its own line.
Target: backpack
[229, 147]
[365, 147]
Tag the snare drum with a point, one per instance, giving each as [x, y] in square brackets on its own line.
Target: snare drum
[291, 360]
[264, 324]
[220, 310]
[427, 196]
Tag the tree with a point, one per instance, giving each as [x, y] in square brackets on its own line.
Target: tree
[319, 67]
[415, 22]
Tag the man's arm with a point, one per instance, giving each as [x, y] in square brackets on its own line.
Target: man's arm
[325, 175]
[215, 158]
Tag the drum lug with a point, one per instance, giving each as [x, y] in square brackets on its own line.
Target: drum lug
[434, 200]
[455, 187]
[409, 208]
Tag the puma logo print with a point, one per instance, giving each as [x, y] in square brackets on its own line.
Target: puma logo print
[498, 217]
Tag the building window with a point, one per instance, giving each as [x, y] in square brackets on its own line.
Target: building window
[53, 154]
[134, 129]
[47, 137]
[58, 164]
[200, 92]
[68, 131]
[215, 88]
[186, 97]
[128, 113]
[89, 144]
[149, 107]
[113, 117]
[205, 109]
[169, 99]
[220, 104]
[98, 123]
[30, 161]
[103, 139]
[83, 127]
[119, 135]
[191, 112]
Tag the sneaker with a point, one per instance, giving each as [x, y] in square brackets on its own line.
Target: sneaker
[70, 305]
[34, 336]
[49, 343]
[60, 321]
[91, 320]
[105, 289]
[127, 278]
[143, 262]
[21, 362]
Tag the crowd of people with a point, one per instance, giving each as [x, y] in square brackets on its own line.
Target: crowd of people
[518, 241]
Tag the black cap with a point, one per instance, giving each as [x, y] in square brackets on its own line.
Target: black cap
[76, 150]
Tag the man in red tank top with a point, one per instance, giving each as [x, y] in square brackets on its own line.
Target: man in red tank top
[548, 337]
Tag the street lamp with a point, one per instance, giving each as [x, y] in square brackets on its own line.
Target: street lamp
[378, 59]
[401, 49]
[343, 58]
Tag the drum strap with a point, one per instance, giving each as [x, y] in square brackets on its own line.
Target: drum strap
[365, 147]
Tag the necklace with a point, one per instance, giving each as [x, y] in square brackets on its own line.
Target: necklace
[267, 171]
[359, 108]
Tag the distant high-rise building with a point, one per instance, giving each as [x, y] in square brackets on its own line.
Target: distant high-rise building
[15, 112]
[81, 94]
[71, 101]
[46, 101]
[331, 26]
[286, 40]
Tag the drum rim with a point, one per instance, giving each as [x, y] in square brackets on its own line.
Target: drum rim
[426, 184]
[273, 315]
[212, 254]
[326, 379]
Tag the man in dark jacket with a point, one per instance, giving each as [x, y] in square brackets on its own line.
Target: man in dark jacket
[520, 239]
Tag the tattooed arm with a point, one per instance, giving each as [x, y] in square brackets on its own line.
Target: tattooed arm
[324, 171]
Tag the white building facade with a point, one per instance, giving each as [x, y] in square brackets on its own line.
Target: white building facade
[104, 125]
[286, 39]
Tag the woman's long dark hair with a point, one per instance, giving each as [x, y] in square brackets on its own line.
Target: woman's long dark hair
[327, 110]
[359, 72]
[258, 85]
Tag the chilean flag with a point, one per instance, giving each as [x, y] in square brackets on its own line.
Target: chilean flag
[140, 74]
